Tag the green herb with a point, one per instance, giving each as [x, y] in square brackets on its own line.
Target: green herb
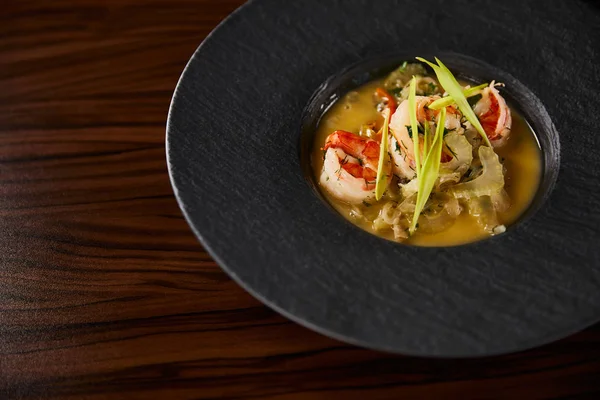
[452, 151]
[432, 88]
[474, 99]
[380, 185]
[420, 130]
[449, 83]
[429, 171]
[412, 106]
[403, 66]
[396, 92]
[366, 204]
[449, 100]
[360, 162]
[398, 147]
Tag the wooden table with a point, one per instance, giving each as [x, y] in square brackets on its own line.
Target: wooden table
[104, 291]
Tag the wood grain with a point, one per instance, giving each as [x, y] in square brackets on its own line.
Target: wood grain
[104, 291]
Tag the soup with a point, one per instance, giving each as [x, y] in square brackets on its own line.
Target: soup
[476, 180]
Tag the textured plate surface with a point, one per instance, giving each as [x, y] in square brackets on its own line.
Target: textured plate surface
[233, 146]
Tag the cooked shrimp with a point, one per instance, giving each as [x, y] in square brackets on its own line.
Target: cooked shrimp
[401, 148]
[494, 115]
[350, 168]
[402, 165]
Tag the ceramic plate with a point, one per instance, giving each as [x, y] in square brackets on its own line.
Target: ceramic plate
[241, 122]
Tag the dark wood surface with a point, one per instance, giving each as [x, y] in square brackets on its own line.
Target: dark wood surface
[104, 291]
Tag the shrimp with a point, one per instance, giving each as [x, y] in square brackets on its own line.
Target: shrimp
[494, 115]
[350, 167]
[401, 144]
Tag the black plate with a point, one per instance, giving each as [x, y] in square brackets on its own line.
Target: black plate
[235, 145]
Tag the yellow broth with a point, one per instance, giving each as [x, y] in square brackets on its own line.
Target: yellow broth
[522, 159]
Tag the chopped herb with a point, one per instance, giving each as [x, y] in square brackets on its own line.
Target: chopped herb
[410, 131]
[396, 92]
[403, 66]
[360, 162]
[446, 131]
[398, 147]
[473, 100]
[452, 151]
[366, 204]
[432, 88]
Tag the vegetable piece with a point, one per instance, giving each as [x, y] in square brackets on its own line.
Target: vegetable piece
[449, 100]
[412, 106]
[391, 101]
[430, 170]
[442, 214]
[381, 183]
[461, 150]
[449, 83]
[483, 210]
[488, 183]
[410, 188]
[390, 218]
[500, 200]
[426, 137]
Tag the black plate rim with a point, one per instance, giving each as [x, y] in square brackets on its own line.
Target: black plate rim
[524, 345]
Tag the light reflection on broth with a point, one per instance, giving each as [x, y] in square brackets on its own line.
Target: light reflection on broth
[521, 154]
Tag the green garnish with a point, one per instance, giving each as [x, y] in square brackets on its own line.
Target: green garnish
[395, 92]
[429, 170]
[366, 204]
[410, 132]
[474, 99]
[426, 138]
[449, 83]
[380, 185]
[432, 87]
[412, 106]
[449, 100]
